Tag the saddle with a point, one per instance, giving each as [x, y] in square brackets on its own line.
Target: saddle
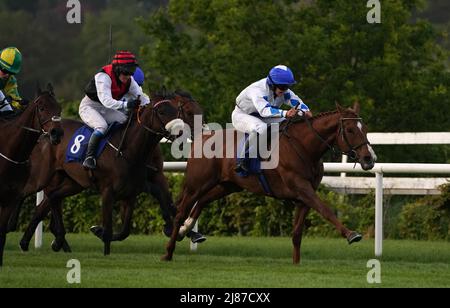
[77, 147]
[10, 114]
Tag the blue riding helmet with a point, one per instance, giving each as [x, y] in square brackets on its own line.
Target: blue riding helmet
[139, 76]
[281, 75]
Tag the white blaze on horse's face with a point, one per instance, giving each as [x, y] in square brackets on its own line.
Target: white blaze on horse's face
[175, 127]
[371, 151]
[359, 124]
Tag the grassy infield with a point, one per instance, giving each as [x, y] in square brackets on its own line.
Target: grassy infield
[227, 262]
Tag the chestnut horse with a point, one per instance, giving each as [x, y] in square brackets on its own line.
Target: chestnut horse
[17, 140]
[117, 177]
[302, 144]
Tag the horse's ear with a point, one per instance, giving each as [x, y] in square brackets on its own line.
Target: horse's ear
[50, 89]
[339, 107]
[356, 107]
[38, 89]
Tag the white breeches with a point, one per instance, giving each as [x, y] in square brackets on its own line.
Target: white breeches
[97, 116]
[248, 124]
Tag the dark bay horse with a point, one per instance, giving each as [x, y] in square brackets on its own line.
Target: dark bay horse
[302, 144]
[18, 137]
[43, 170]
[117, 177]
[156, 183]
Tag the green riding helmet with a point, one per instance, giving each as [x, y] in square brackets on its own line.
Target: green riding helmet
[10, 60]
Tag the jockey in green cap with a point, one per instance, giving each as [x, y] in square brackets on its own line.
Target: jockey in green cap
[10, 64]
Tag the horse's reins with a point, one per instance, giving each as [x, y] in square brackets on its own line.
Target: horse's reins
[352, 149]
[40, 132]
[164, 132]
[122, 140]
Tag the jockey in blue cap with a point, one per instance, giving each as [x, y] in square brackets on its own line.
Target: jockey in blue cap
[139, 76]
[259, 105]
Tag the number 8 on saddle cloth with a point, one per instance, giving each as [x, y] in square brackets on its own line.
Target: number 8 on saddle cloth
[77, 147]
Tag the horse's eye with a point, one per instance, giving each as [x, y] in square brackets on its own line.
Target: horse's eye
[41, 109]
[350, 130]
[161, 112]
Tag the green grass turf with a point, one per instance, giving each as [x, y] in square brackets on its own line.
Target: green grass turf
[227, 262]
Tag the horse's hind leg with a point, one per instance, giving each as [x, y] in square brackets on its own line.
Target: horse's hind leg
[5, 214]
[184, 207]
[299, 223]
[187, 200]
[68, 187]
[60, 188]
[217, 192]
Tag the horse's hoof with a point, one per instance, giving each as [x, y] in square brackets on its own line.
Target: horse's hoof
[354, 237]
[197, 238]
[106, 250]
[24, 245]
[97, 231]
[55, 246]
[166, 258]
[66, 248]
[168, 230]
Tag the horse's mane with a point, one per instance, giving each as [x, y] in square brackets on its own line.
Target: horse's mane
[299, 119]
[328, 113]
[323, 114]
[184, 94]
[171, 95]
[18, 113]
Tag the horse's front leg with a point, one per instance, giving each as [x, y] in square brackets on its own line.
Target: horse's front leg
[107, 208]
[127, 207]
[14, 219]
[40, 213]
[57, 228]
[159, 189]
[306, 194]
[6, 211]
[66, 187]
[126, 211]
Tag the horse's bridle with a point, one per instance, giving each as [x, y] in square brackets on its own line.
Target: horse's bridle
[40, 132]
[163, 133]
[351, 153]
[352, 149]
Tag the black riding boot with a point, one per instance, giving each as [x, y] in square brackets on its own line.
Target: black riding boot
[241, 161]
[90, 161]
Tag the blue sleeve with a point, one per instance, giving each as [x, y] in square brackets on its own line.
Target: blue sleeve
[293, 100]
[266, 110]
